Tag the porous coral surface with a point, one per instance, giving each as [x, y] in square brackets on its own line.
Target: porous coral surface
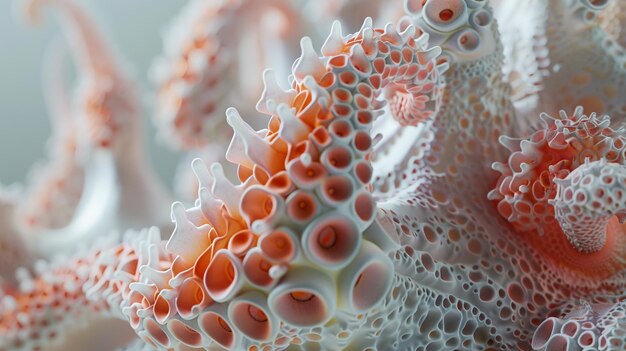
[439, 182]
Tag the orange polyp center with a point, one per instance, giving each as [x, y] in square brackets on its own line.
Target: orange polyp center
[257, 314]
[301, 296]
[446, 15]
[265, 266]
[281, 243]
[327, 238]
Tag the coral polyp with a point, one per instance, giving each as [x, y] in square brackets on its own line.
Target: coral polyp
[437, 182]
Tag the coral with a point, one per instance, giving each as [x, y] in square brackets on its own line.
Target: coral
[409, 191]
[98, 158]
[56, 186]
[202, 71]
[294, 227]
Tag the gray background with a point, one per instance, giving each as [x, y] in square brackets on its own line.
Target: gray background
[134, 27]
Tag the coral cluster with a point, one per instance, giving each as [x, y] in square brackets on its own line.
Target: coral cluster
[405, 192]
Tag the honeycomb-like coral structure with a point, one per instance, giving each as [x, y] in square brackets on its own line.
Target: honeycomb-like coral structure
[292, 233]
[527, 184]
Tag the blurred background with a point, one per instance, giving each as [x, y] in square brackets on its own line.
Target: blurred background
[134, 28]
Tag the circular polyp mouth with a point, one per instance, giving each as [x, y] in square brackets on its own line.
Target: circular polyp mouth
[301, 206]
[337, 158]
[191, 297]
[337, 189]
[482, 18]
[331, 241]
[445, 15]
[301, 307]
[279, 246]
[222, 277]
[218, 328]
[241, 242]
[258, 204]
[252, 320]
[468, 40]
[256, 268]
[306, 176]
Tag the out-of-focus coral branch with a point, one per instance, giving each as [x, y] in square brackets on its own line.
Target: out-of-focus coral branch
[101, 160]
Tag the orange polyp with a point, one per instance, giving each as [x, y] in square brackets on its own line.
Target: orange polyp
[278, 246]
[258, 204]
[280, 183]
[320, 136]
[300, 149]
[337, 189]
[256, 269]
[307, 175]
[301, 206]
[446, 15]
[221, 276]
[327, 238]
[338, 61]
[338, 157]
[362, 141]
[341, 129]
[241, 242]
